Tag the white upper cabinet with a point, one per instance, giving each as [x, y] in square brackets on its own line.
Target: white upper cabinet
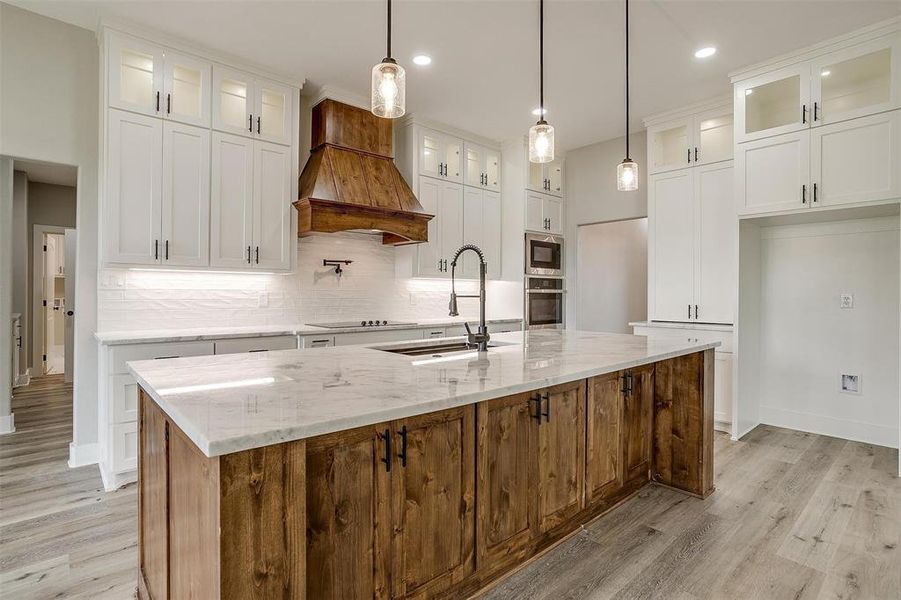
[481, 166]
[440, 155]
[133, 204]
[671, 246]
[772, 174]
[546, 178]
[856, 81]
[186, 195]
[186, 87]
[445, 200]
[491, 232]
[135, 75]
[773, 103]
[472, 231]
[716, 228]
[231, 201]
[272, 206]
[272, 111]
[482, 227]
[697, 139]
[544, 213]
[152, 80]
[856, 161]
[233, 96]
[428, 255]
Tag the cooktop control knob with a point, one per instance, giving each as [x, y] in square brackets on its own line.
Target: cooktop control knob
[362, 323]
[370, 323]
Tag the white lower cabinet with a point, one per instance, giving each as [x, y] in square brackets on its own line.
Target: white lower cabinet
[722, 391]
[544, 213]
[691, 238]
[317, 341]
[250, 208]
[849, 162]
[255, 344]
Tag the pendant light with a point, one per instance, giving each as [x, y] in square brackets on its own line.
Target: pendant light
[388, 84]
[627, 171]
[541, 135]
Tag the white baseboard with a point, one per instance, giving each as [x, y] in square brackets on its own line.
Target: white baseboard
[113, 481]
[847, 429]
[724, 426]
[7, 423]
[81, 455]
[741, 434]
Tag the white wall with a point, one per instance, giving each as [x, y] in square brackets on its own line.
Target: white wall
[20, 253]
[612, 275]
[49, 111]
[6, 294]
[138, 299]
[807, 340]
[592, 197]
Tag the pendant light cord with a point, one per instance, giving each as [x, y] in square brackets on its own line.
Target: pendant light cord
[389, 28]
[627, 81]
[541, 61]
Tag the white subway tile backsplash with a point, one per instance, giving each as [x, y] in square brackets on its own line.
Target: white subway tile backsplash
[148, 299]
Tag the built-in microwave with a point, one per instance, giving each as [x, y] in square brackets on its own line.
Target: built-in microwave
[544, 254]
[545, 303]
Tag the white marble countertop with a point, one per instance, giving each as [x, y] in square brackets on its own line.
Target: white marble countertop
[236, 402]
[674, 325]
[112, 338]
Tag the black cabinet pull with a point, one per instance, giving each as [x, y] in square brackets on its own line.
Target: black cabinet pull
[631, 382]
[625, 383]
[167, 249]
[814, 193]
[248, 255]
[696, 154]
[157, 102]
[696, 312]
[250, 123]
[258, 255]
[536, 398]
[156, 249]
[816, 107]
[804, 113]
[547, 412]
[689, 311]
[689, 156]
[803, 193]
[403, 446]
[386, 437]
[168, 104]
[258, 125]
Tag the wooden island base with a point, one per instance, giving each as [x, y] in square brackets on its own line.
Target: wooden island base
[435, 505]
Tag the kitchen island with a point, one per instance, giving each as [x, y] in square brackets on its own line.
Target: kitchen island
[402, 471]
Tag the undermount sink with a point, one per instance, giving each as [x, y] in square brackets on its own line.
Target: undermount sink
[437, 349]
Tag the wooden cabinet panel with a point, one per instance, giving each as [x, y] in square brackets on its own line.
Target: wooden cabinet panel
[348, 516]
[505, 445]
[560, 460]
[637, 422]
[433, 502]
[153, 501]
[604, 467]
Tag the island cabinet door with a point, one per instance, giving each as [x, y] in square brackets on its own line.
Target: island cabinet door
[348, 515]
[560, 456]
[433, 502]
[638, 404]
[504, 447]
[153, 501]
[604, 415]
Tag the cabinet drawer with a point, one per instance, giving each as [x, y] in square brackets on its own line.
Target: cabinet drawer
[125, 447]
[262, 344]
[433, 332]
[119, 355]
[124, 399]
[701, 335]
[317, 341]
[374, 337]
[504, 327]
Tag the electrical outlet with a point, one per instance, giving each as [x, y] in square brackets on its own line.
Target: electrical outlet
[850, 384]
[847, 301]
[263, 300]
[412, 299]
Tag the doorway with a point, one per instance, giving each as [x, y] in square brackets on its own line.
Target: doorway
[54, 293]
[612, 283]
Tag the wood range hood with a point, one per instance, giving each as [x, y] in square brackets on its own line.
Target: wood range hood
[350, 181]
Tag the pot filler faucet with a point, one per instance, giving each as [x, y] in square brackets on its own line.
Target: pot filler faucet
[481, 338]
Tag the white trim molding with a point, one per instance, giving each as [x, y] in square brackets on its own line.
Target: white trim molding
[81, 455]
[7, 424]
[856, 431]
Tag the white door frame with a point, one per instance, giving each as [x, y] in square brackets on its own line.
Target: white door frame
[37, 281]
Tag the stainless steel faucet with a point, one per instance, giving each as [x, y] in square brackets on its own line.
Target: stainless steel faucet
[481, 338]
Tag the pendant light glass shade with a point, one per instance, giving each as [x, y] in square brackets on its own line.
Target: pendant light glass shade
[541, 142]
[627, 176]
[388, 90]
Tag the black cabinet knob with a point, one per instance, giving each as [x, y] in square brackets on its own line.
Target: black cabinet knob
[69, 313]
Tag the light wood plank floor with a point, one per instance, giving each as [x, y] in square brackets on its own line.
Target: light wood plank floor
[795, 516]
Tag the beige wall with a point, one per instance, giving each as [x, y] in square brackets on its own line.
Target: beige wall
[20, 251]
[49, 111]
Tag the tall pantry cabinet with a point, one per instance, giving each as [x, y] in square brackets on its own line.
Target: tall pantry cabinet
[183, 184]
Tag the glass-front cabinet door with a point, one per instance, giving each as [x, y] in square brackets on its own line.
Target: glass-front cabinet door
[492, 169]
[233, 95]
[856, 81]
[537, 177]
[431, 162]
[186, 83]
[272, 112]
[453, 159]
[135, 75]
[555, 177]
[773, 104]
[713, 137]
[473, 170]
[670, 146]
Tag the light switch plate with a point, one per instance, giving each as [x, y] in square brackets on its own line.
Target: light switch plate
[847, 301]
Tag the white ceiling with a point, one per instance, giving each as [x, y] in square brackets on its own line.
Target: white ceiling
[40, 172]
[484, 75]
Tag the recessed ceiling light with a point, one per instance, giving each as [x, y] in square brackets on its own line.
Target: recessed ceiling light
[422, 60]
[705, 52]
[538, 112]
[825, 73]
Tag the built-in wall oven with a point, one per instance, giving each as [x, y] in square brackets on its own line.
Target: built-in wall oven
[545, 302]
[544, 254]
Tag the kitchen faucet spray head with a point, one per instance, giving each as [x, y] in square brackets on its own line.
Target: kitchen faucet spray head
[453, 305]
